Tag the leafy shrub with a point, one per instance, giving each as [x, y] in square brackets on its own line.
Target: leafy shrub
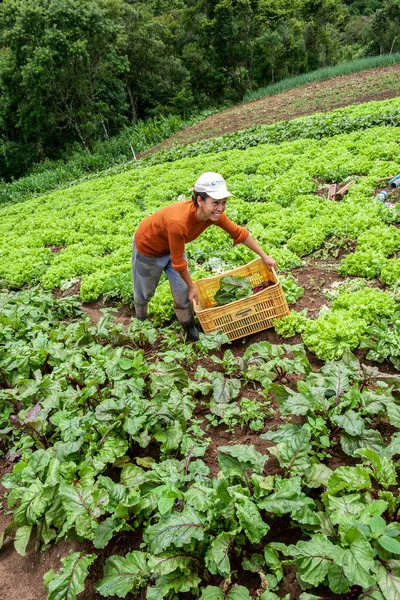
[383, 340]
[294, 322]
[290, 288]
[307, 240]
[333, 333]
[161, 306]
[383, 240]
[368, 304]
[119, 287]
[390, 273]
[342, 327]
[363, 263]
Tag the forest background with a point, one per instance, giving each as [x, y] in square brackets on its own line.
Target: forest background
[73, 72]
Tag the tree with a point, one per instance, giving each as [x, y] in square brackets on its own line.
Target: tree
[322, 18]
[227, 34]
[384, 29]
[60, 76]
[157, 80]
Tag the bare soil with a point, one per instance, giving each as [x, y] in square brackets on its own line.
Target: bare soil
[21, 577]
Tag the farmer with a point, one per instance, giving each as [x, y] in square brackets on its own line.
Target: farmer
[159, 245]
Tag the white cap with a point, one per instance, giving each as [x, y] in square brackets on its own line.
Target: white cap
[213, 184]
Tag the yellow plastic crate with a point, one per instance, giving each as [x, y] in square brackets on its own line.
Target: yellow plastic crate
[244, 316]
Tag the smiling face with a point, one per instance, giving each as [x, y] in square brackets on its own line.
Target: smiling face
[210, 209]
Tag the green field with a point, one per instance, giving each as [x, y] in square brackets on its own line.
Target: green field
[206, 470]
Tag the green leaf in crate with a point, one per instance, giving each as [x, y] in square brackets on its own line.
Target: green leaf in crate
[231, 288]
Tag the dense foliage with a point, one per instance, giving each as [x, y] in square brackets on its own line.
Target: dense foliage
[74, 71]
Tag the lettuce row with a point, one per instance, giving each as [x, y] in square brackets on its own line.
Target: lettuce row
[82, 236]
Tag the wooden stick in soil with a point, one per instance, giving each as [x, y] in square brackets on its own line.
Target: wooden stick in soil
[332, 191]
[383, 179]
[340, 193]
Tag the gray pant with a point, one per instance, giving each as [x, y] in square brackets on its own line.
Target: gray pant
[146, 273]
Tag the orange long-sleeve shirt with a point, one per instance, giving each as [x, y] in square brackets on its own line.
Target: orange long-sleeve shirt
[170, 228]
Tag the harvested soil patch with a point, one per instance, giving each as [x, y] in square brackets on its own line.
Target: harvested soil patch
[315, 276]
[123, 313]
[73, 290]
[56, 248]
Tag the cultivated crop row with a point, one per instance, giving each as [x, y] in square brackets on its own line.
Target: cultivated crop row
[83, 235]
[106, 426]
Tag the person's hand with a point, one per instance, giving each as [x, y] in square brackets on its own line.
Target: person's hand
[193, 294]
[269, 262]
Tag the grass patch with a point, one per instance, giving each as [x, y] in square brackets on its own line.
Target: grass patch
[80, 165]
[347, 68]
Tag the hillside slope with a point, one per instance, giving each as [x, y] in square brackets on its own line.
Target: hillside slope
[322, 96]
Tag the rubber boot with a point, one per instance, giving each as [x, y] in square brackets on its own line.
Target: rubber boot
[141, 312]
[185, 317]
